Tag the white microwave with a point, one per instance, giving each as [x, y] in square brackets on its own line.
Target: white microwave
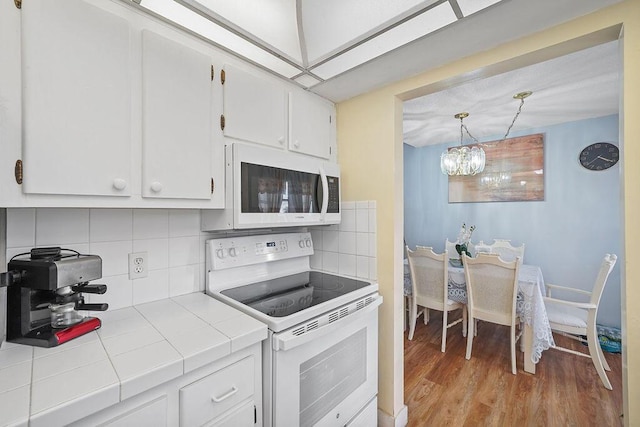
[267, 187]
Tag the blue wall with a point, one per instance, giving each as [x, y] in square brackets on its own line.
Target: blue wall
[567, 234]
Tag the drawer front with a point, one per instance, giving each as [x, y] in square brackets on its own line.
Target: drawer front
[244, 416]
[211, 396]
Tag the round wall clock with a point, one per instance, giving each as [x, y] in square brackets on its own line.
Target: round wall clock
[599, 156]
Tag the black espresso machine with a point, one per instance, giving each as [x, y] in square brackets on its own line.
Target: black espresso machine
[44, 294]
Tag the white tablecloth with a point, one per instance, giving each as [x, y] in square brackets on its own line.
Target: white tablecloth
[529, 306]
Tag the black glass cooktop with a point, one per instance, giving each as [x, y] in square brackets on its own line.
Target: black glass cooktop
[289, 294]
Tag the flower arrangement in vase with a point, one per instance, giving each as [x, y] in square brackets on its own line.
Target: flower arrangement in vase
[464, 237]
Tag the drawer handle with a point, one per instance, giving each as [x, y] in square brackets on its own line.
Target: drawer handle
[225, 396]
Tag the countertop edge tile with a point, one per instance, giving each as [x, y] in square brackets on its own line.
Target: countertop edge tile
[77, 409]
[204, 357]
[160, 375]
[11, 400]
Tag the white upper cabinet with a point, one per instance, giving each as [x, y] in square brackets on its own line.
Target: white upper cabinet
[255, 108]
[312, 125]
[177, 92]
[76, 100]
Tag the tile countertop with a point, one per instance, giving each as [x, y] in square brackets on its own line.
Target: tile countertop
[136, 348]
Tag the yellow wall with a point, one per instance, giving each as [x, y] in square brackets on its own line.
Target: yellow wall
[370, 154]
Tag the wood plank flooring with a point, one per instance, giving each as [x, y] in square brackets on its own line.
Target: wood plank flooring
[445, 389]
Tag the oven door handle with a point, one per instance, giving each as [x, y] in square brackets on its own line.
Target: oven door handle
[290, 339]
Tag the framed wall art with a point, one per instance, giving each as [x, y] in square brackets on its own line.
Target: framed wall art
[513, 172]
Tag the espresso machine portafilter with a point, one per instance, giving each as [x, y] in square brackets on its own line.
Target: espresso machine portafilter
[45, 292]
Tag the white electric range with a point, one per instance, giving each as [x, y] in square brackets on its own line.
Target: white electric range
[320, 358]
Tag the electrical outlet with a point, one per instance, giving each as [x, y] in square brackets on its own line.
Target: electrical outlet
[138, 265]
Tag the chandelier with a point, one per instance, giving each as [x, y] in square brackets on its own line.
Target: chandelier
[465, 160]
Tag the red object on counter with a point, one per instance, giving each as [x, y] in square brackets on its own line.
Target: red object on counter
[87, 325]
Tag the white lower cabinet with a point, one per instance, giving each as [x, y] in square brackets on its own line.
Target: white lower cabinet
[212, 396]
[152, 414]
[227, 392]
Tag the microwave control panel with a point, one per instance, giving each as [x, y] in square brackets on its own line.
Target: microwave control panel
[334, 194]
[248, 250]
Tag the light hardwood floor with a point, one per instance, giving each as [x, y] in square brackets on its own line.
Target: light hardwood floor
[445, 389]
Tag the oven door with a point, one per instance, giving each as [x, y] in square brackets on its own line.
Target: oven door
[325, 376]
[272, 188]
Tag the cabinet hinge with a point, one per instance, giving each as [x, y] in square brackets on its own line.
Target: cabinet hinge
[222, 122]
[222, 76]
[18, 3]
[213, 73]
[18, 171]
[213, 185]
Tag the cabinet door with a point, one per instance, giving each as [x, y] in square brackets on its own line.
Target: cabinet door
[176, 120]
[255, 109]
[152, 414]
[312, 125]
[76, 99]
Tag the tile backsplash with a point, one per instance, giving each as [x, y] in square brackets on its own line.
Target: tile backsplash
[350, 247]
[174, 245]
[171, 238]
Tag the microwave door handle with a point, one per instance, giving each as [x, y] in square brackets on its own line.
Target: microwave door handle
[325, 193]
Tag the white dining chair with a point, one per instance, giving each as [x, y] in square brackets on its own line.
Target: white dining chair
[492, 289]
[506, 250]
[482, 248]
[578, 319]
[429, 281]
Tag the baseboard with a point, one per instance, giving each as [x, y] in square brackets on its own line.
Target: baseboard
[386, 420]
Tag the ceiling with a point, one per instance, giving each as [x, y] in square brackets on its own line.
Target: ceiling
[343, 48]
[581, 85]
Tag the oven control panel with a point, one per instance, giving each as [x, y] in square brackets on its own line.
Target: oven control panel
[240, 251]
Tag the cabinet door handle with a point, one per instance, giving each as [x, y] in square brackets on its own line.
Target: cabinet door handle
[281, 140]
[296, 144]
[225, 396]
[156, 187]
[119, 184]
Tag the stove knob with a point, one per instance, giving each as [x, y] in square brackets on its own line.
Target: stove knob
[232, 252]
[220, 253]
[301, 244]
[307, 243]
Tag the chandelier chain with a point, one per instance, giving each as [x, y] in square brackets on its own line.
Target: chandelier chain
[514, 120]
[463, 126]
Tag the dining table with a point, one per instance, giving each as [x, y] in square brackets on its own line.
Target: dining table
[537, 336]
